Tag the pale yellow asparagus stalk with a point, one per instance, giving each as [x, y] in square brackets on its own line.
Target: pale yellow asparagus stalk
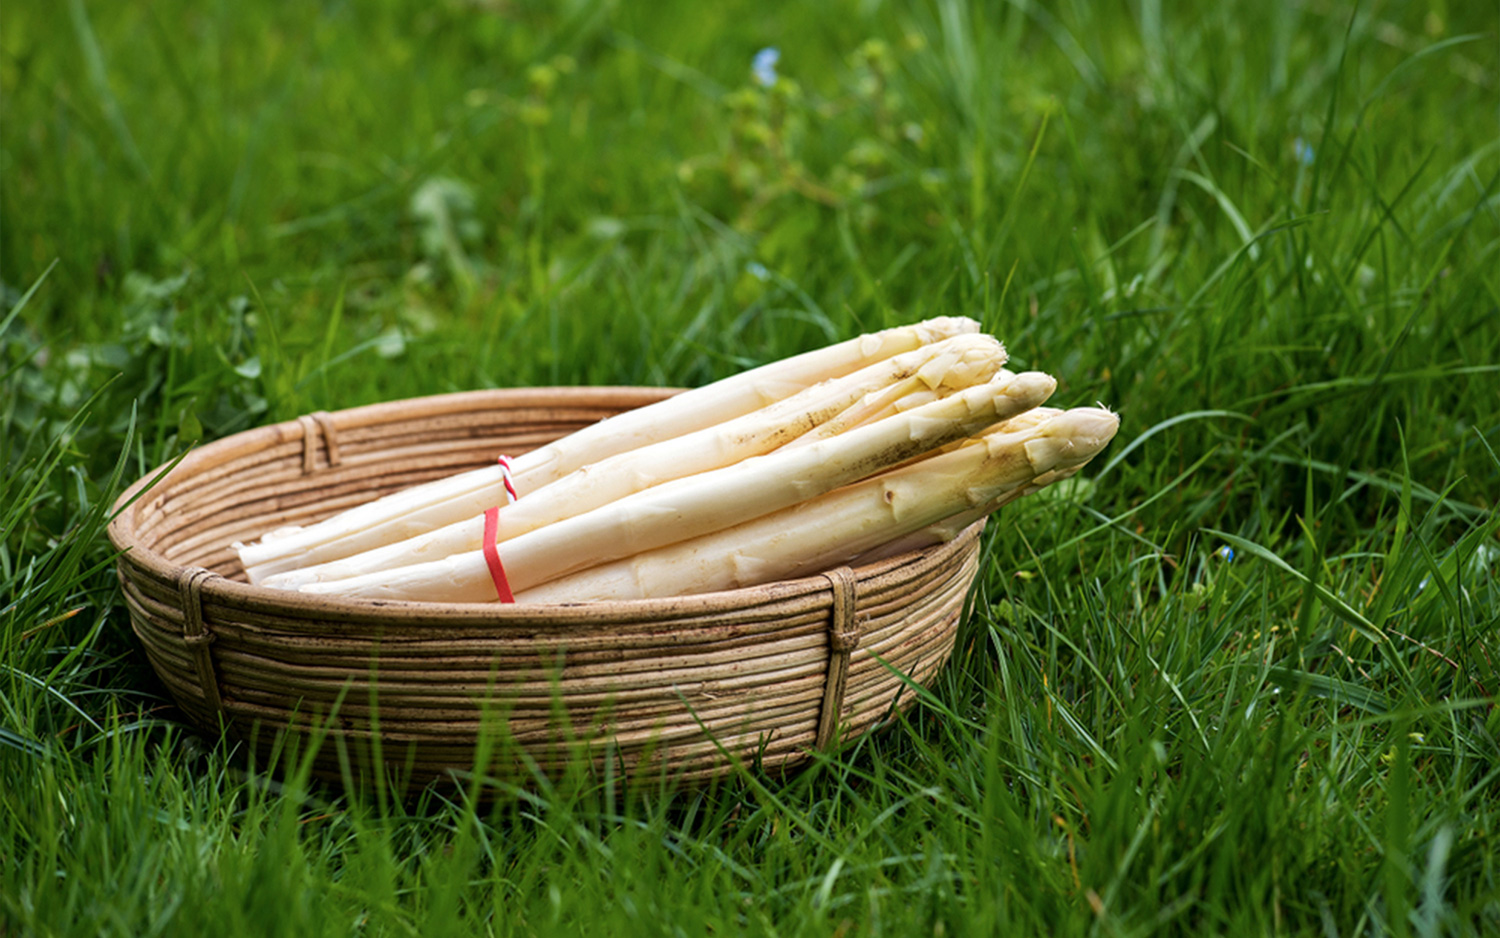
[841, 526]
[878, 405]
[1028, 418]
[943, 531]
[946, 530]
[427, 507]
[888, 407]
[700, 504]
[1025, 420]
[952, 364]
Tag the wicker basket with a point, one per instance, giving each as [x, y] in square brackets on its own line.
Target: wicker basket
[684, 686]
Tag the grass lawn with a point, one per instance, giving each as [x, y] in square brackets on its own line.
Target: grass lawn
[1239, 678]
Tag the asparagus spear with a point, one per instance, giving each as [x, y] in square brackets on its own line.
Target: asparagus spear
[948, 490]
[947, 529]
[426, 507]
[950, 365]
[703, 503]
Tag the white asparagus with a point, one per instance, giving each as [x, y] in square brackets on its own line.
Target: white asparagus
[427, 507]
[877, 405]
[1026, 418]
[943, 531]
[850, 522]
[947, 529]
[703, 503]
[952, 364]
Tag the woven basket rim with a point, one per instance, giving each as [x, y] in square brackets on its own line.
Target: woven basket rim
[132, 548]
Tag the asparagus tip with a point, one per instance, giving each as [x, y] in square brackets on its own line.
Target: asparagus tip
[1029, 388]
[944, 326]
[1072, 438]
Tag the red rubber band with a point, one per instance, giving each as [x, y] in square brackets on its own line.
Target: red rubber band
[505, 470]
[492, 555]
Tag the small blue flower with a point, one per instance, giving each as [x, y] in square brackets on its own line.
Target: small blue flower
[1225, 553]
[758, 270]
[764, 66]
[1303, 151]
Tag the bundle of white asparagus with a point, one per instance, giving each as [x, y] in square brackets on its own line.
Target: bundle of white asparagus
[886, 443]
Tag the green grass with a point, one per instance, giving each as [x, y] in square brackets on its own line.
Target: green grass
[1267, 233]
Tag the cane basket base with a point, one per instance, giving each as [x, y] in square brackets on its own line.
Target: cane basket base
[685, 687]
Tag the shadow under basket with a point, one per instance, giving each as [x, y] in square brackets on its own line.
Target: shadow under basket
[684, 687]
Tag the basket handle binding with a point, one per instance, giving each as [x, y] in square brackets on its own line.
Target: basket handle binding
[843, 639]
[195, 634]
[318, 424]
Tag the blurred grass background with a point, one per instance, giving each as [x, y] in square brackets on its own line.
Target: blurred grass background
[1266, 233]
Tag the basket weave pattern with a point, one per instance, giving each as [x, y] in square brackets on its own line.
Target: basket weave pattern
[680, 685]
